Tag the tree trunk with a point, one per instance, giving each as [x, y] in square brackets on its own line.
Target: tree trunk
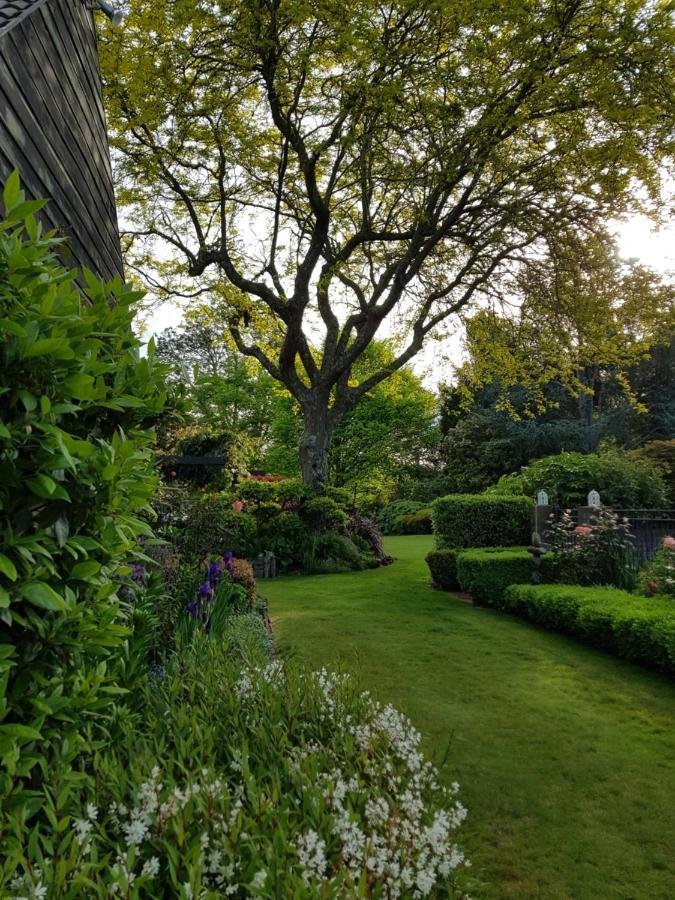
[315, 445]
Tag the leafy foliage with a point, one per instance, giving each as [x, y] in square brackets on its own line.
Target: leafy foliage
[212, 527]
[639, 629]
[77, 402]
[389, 514]
[478, 520]
[588, 320]
[416, 523]
[622, 482]
[662, 455]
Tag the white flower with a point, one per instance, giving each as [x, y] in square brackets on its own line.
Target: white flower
[82, 829]
[311, 855]
[151, 867]
[259, 879]
[136, 830]
[92, 812]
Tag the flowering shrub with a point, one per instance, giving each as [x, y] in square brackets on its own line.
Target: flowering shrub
[600, 553]
[272, 782]
[659, 576]
[242, 574]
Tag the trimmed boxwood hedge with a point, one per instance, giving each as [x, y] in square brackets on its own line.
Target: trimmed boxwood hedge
[443, 567]
[477, 520]
[485, 573]
[637, 628]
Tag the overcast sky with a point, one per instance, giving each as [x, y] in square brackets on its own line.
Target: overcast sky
[636, 238]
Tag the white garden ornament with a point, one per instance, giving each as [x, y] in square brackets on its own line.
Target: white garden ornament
[593, 498]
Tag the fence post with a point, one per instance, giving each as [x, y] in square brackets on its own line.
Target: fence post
[585, 513]
[540, 513]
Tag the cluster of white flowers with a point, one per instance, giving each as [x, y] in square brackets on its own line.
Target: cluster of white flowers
[148, 819]
[28, 886]
[312, 856]
[272, 673]
[377, 811]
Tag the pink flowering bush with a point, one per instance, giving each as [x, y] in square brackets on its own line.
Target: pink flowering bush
[659, 576]
[601, 553]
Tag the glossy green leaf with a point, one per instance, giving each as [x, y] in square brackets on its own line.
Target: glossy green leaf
[40, 594]
[7, 567]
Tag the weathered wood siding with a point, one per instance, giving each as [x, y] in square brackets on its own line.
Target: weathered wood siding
[53, 128]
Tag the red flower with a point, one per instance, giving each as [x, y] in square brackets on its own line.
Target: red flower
[237, 506]
[583, 529]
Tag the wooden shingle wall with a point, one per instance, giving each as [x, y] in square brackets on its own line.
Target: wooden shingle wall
[53, 129]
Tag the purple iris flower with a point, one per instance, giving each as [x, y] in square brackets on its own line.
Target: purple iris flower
[228, 556]
[193, 608]
[229, 566]
[205, 591]
[138, 573]
[214, 574]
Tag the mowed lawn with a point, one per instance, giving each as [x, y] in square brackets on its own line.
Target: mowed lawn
[565, 756]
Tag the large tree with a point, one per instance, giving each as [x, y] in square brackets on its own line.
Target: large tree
[334, 170]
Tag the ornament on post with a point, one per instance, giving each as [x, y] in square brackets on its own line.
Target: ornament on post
[542, 498]
[593, 499]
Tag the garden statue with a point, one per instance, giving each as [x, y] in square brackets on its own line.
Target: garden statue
[537, 550]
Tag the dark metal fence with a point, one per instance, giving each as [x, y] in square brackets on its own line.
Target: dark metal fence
[649, 527]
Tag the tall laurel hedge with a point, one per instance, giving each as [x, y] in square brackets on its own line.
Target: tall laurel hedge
[76, 404]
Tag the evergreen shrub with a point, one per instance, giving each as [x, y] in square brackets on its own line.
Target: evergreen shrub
[486, 573]
[637, 628]
[77, 402]
[478, 520]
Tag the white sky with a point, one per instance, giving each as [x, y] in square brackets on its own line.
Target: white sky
[636, 237]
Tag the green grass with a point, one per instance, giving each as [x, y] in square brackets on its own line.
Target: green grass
[565, 755]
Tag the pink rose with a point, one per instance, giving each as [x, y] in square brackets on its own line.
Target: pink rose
[669, 543]
[583, 529]
[237, 506]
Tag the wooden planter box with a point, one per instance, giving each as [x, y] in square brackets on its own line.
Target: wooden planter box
[264, 565]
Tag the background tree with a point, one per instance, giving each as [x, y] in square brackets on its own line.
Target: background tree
[587, 355]
[390, 430]
[325, 168]
[579, 330]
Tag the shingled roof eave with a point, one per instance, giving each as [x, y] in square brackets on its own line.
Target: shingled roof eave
[18, 14]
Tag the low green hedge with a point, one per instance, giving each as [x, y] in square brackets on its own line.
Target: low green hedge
[637, 628]
[443, 567]
[485, 573]
[477, 520]
[416, 523]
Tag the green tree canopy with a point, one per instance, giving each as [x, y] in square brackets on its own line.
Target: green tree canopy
[580, 327]
[325, 168]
